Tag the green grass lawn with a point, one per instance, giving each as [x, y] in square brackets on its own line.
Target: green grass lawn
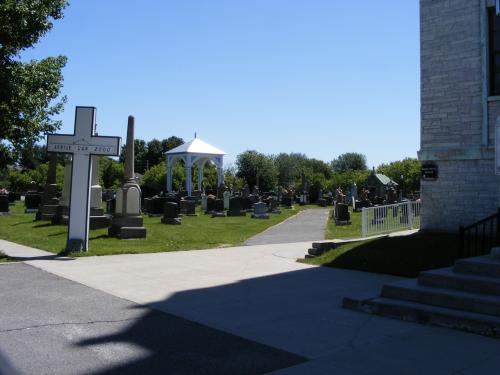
[344, 231]
[200, 232]
[401, 256]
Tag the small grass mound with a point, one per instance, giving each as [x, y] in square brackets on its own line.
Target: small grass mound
[400, 256]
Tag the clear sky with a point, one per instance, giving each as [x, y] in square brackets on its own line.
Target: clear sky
[320, 77]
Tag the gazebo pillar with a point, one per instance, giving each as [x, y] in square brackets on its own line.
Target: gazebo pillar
[220, 176]
[188, 179]
[200, 175]
[169, 176]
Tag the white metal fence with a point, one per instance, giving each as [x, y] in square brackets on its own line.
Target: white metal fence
[390, 218]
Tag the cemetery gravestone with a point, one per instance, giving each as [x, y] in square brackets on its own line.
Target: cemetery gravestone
[127, 221]
[48, 206]
[226, 196]
[97, 217]
[273, 205]
[342, 215]
[4, 204]
[191, 208]
[219, 208]
[32, 202]
[82, 144]
[62, 211]
[236, 207]
[210, 204]
[260, 211]
[170, 215]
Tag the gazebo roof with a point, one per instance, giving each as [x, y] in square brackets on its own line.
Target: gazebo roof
[196, 146]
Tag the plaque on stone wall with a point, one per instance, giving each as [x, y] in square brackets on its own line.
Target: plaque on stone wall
[429, 172]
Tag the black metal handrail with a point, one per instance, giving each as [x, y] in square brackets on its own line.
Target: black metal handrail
[478, 238]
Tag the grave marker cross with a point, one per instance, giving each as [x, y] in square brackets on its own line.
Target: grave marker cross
[81, 145]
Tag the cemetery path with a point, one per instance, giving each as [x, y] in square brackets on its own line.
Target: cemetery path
[307, 225]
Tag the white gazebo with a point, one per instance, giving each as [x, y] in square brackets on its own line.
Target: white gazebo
[195, 152]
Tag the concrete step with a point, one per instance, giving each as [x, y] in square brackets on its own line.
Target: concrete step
[324, 245]
[409, 290]
[447, 279]
[424, 314]
[480, 266]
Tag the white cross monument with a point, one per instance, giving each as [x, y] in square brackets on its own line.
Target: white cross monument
[82, 144]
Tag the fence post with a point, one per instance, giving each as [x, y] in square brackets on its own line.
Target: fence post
[363, 222]
[410, 215]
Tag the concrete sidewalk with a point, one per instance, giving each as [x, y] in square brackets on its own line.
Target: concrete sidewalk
[261, 293]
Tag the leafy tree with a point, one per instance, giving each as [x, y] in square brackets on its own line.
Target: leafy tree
[171, 143]
[289, 167]
[140, 158]
[28, 91]
[154, 152]
[111, 173]
[409, 168]
[254, 166]
[32, 155]
[350, 161]
[153, 181]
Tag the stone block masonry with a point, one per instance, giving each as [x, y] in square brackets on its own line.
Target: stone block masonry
[457, 116]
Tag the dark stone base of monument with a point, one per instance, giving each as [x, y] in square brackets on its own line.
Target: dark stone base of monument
[74, 246]
[4, 204]
[98, 222]
[218, 214]
[46, 212]
[321, 202]
[127, 232]
[127, 227]
[342, 215]
[170, 220]
[13, 197]
[260, 216]
[61, 217]
[236, 213]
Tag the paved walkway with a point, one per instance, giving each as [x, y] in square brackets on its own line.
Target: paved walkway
[307, 225]
[260, 293]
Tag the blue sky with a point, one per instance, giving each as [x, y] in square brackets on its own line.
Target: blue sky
[320, 77]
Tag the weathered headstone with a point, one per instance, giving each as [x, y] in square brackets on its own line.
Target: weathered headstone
[127, 221]
[342, 215]
[210, 204]
[273, 206]
[49, 203]
[4, 204]
[204, 202]
[32, 202]
[82, 144]
[260, 211]
[236, 207]
[219, 208]
[170, 215]
[97, 217]
[226, 196]
[191, 208]
[62, 211]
